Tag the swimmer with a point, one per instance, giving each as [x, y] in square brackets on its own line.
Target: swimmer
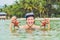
[46, 22]
[14, 25]
[30, 23]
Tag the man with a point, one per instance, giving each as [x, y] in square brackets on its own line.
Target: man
[14, 25]
[30, 23]
[45, 22]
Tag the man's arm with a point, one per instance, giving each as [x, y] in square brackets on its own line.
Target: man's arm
[10, 27]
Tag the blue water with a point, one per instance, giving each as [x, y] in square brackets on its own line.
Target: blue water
[53, 34]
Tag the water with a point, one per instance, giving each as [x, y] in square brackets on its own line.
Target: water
[53, 34]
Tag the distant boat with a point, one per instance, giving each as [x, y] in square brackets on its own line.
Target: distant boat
[3, 15]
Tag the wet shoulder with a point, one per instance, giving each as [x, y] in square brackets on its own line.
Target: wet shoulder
[36, 27]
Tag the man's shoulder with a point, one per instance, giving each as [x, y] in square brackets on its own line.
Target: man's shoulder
[36, 26]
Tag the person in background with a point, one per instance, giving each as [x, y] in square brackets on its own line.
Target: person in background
[46, 22]
[14, 25]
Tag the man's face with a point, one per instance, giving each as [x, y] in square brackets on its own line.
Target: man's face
[30, 21]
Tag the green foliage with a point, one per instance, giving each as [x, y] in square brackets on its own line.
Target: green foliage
[39, 7]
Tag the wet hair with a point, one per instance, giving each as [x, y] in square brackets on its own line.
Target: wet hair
[29, 15]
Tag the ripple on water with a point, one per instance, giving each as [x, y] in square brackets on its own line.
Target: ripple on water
[22, 35]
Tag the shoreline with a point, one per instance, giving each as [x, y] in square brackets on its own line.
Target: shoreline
[40, 18]
[35, 19]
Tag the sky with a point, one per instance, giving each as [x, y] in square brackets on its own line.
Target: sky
[8, 2]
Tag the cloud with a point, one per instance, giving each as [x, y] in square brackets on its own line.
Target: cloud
[8, 2]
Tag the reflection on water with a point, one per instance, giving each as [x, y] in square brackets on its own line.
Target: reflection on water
[53, 34]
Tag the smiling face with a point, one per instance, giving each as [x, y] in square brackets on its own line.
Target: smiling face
[30, 21]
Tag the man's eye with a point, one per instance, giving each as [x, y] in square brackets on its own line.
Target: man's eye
[28, 19]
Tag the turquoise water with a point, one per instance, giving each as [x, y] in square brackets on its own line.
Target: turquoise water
[53, 34]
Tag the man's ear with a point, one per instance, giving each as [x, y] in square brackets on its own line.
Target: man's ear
[34, 21]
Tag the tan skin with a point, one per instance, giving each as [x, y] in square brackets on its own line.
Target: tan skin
[47, 21]
[30, 26]
[13, 19]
